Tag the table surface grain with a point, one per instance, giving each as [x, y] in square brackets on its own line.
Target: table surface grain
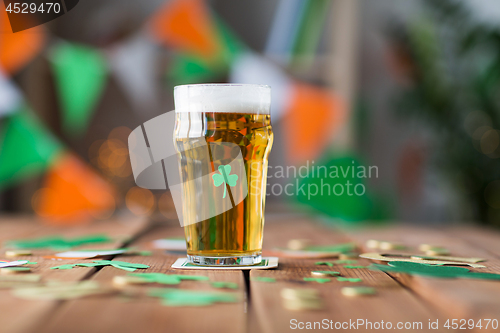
[400, 298]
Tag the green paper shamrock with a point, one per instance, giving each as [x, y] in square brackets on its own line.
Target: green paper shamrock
[345, 261]
[58, 242]
[327, 272]
[167, 278]
[19, 269]
[343, 279]
[263, 279]
[126, 266]
[483, 276]
[224, 178]
[421, 269]
[319, 280]
[180, 297]
[355, 266]
[341, 248]
[435, 271]
[329, 264]
[223, 284]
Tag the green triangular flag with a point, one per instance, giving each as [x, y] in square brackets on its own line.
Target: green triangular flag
[80, 74]
[186, 69]
[190, 68]
[311, 28]
[232, 45]
[27, 147]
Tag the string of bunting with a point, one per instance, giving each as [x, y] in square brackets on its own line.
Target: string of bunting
[205, 49]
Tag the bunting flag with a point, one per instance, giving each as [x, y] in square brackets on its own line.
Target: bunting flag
[134, 64]
[231, 45]
[190, 69]
[10, 97]
[17, 49]
[317, 114]
[309, 33]
[73, 193]
[252, 68]
[195, 68]
[284, 29]
[186, 25]
[28, 148]
[80, 75]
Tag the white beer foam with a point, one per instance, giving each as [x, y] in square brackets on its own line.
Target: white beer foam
[235, 98]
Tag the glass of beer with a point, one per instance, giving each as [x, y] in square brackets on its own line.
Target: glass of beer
[223, 137]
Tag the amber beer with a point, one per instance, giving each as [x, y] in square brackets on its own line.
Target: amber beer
[218, 116]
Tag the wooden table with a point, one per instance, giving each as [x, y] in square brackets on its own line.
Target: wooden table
[400, 298]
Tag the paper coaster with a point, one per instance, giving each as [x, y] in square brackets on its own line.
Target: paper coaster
[13, 263]
[266, 263]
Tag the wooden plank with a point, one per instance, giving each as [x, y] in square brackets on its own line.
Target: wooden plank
[15, 226]
[458, 298]
[18, 315]
[113, 314]
[484, 238]
[392, 304]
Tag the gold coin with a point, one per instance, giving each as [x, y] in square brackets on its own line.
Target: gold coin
[298, 244]
[292, 294]
[426, 247]
[373, 244]
[124, 280]
[15, 270]
[302, 305]
[358, 291]
[17, 253]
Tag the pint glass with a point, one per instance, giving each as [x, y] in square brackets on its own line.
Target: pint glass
[223, 137]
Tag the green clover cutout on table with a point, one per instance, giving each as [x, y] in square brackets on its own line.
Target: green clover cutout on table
[224, 178]
[126, 266]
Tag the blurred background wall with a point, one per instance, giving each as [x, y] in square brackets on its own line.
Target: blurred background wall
[406, 86]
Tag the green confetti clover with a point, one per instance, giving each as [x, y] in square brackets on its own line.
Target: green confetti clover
[224, 178]
[343, 279]
[345, 261]
[126, 266]
[327, 272]
[58, 242]
[180, 297]
[167, 278]
[319, 280]
[329, 264]
[263, 279]
[435, 271]
[223, 284]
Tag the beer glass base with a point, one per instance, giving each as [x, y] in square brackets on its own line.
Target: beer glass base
[225, 261]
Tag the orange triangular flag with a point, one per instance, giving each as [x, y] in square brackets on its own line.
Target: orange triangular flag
[17, 49]
[187, 25]
[312, 118]
[73, 193]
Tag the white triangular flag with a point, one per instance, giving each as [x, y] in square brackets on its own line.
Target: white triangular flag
[134, 64]
[10, 96]
[255, 69]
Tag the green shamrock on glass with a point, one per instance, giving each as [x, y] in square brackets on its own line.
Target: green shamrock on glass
[225, 177]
